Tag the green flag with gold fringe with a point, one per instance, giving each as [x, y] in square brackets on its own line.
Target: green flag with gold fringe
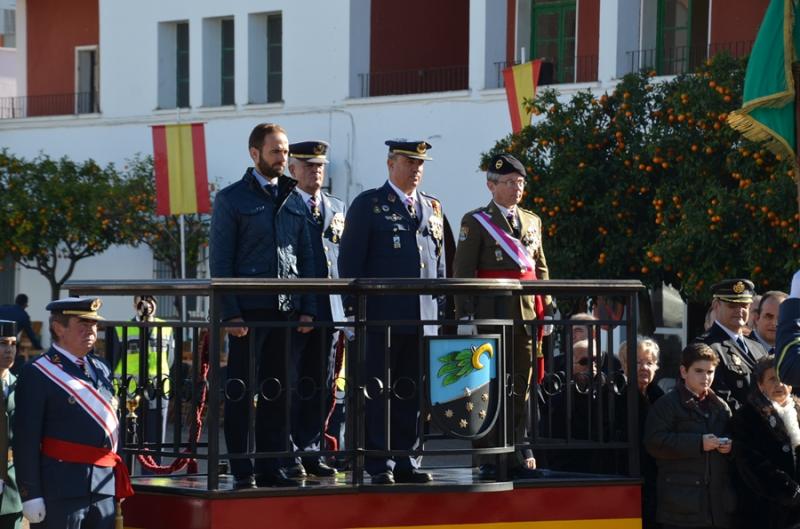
[768, 106]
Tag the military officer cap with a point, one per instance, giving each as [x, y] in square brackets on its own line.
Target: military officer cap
[85, 308]
[310, 151]
[417, 150]
[8, 329]
[506, 164]
[734, 290]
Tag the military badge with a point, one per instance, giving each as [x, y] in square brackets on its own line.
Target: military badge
[396, 242]
[385, 208]
[392, 197]
[437, 227]
[421, 148]
[96, 304]
[498, 164]
[738, 287]
[376, 210]
[498, 255]
[337, 226]
[531, 239]
[319, 149]
[463, 384]
[437, 207]
[463, 234]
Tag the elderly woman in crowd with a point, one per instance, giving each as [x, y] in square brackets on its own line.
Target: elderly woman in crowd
[766, 433]
[647, 351]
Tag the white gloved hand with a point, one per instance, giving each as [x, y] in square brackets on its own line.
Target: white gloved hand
[33, 510]
[795, 290]
[467, 329]
[548, 328]
[348, 330]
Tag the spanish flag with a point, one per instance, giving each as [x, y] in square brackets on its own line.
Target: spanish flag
[768, 109]
[179, 153]
[521, 83]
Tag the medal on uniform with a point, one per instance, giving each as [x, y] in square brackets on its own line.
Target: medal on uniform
[385, 208]
[396, 241]
[498, 255]
[391, 197]
[737, 360]
[376, 210]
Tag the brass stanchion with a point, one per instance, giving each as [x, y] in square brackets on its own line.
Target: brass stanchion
[131, 405]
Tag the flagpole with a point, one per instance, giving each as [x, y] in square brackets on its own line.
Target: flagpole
[183, 264]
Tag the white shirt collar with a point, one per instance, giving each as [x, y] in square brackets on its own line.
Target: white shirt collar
[734, 336]
[505, 211]
[72, 358]
[305, 196]
[402, 194]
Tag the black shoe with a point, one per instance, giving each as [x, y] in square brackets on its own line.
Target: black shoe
[526, 473]
[275, 478]
[412, 476]
[384, 478]
[320, 469]
[296, 471]
[245, 482]
[487, 472]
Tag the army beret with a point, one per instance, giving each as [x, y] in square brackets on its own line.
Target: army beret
[8, 329]
[310, 151]
[506, 164]
[85, 308]
[734, 290]
[410, 149]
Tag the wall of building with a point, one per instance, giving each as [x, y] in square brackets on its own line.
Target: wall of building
[736, 21]
[51, 54]
[8, 72]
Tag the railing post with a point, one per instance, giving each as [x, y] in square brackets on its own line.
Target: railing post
[213, 389]
[633, 387]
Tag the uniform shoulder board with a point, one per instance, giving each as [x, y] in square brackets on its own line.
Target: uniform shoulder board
[423, 193]
[333, 198]
[527, 212]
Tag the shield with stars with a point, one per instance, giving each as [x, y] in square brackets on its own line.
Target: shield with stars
[463, 389]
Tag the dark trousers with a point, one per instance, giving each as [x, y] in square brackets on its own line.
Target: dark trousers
[313, 364]
[517, 355]
[271, 385]
[96, 512]
[403, 390]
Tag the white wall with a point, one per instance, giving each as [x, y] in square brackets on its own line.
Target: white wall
[8, 72]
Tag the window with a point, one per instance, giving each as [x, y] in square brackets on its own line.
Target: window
[8, 38]
[553, 39]
[682, 35]
[265, 47]
[226, 64]
[86, 80]
[173, 65]
[182, 64]
[219, 84]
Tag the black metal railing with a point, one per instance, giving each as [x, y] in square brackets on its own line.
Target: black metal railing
[49, 105]
[582, 407]
[582, 70]
[419, 81]
[682, 59]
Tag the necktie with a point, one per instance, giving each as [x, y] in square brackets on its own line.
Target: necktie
[743, 347]
[410, 207]
[511, 217]
[314, 207]
[272, 190]
[81, 363]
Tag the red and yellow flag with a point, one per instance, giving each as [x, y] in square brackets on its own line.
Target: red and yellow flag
[179, 153]
[521, 83]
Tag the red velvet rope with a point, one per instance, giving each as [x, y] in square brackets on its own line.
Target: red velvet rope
[189, 463]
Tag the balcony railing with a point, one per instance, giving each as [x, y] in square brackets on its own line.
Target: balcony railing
[682, 59]
[421, 81]
[584, 70]
[585, 420]
[49, 105]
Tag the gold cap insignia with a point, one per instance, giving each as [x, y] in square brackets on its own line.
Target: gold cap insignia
[96, 304]
[498, 164]
[738, 287]
[421, 148]
[319, 149]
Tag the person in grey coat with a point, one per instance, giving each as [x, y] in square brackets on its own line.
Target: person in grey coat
[684, 432]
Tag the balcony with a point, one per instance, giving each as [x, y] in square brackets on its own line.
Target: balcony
[419, 81]
[583, 70]
[681, 59]
[49, 105]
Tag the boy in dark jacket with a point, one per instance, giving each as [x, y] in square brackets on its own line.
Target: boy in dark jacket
[684, 433]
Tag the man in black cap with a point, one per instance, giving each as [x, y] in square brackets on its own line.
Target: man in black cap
[66, 429]
[259, 230]
[313, 352]
[502, 240]
[395, 231]
[737, 353]
[10, 502]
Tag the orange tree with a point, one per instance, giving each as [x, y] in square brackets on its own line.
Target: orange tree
[54, 213]
[648, 182]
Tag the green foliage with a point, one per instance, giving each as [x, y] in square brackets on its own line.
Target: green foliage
[455, 365]
[649, 182]
[62, 210]
[57, 212]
